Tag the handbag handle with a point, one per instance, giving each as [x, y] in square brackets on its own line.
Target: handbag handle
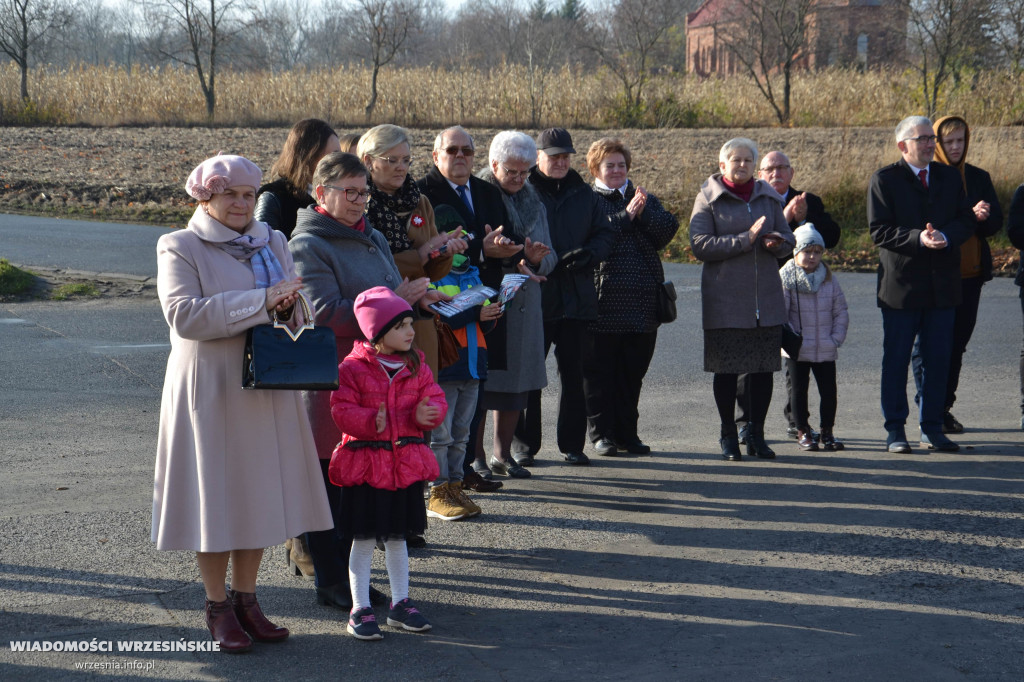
[306, 315]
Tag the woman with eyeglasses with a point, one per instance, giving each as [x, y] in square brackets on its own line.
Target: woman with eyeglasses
[512, 155]
[339, 255]
[398, 209]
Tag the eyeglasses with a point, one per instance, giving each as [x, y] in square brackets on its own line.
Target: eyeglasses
[352, 194]
[396, 160]
[454, 151]
[516, 174]
[772, 169]
[921, 139]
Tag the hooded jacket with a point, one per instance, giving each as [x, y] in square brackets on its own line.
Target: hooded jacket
[975, 254]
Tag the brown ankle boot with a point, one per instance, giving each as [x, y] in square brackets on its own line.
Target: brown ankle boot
[250, 617]
[225, 628]
[300, 561]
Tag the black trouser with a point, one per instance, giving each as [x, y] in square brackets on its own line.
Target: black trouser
[741, 399]
[758, 398]
[825, 378]
[570, 340]
[966, 317]
[328, 550]
[1022, 356]
[613, 375]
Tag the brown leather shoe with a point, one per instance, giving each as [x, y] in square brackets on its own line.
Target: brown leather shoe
[225, 628]
[250, 617]
[806, 441]
[475, 481]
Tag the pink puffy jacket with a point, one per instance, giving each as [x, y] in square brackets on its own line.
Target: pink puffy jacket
[384, 460]
[822, 318]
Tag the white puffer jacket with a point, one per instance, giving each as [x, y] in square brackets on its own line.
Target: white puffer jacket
[821, 317]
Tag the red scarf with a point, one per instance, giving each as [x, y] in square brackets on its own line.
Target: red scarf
[358, 227]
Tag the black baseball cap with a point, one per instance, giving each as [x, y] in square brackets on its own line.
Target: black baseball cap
[555, 141]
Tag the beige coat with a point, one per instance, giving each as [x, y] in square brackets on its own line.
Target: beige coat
[235, 468]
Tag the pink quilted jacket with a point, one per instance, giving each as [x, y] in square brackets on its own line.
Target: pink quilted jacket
[384, 460]
[822, 318]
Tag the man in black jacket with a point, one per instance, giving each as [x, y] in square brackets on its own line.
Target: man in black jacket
[450, 181]
[918, 216]
[582, 235]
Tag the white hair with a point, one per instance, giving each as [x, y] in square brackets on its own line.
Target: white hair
[512, 145]
[738, 143]
[907, 125]
[439, 140]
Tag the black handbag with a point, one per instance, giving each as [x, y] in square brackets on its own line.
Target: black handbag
[277, 358]
[791, 338]
[665, 302]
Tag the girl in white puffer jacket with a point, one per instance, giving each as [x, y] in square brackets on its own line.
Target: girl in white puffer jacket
[817, 309]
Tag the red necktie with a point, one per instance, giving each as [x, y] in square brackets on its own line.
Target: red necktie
[923, 174]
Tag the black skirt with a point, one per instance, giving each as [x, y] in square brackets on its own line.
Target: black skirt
[743, 351]
[366, 513]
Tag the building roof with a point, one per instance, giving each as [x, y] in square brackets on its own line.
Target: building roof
[709, 13]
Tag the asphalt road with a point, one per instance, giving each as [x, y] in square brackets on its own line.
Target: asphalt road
[856, 565]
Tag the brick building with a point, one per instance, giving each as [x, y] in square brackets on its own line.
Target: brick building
[861, 33]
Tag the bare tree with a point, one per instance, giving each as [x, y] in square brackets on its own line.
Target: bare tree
[193, 33]
[381, 29]
[23, 25]
[281, 34]
[1008, 27]
[768, 38]
[630, 37]
[946, 36]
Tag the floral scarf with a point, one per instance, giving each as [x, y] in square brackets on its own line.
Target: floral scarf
[389, 213]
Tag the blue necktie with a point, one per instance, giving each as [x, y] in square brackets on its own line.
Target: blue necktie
[464, 195]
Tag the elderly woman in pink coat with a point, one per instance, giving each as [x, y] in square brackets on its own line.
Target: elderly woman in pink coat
[236, 470]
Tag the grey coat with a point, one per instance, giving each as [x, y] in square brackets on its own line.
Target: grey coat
[334, 271]
[740, 286]
[524, 316]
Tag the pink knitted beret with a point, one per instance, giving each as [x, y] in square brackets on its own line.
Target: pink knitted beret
[217, 173]
[377, 310]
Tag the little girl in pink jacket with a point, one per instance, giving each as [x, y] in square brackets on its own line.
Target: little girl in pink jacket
[385, 400]
[816, 308]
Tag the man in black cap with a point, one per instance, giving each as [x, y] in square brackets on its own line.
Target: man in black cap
[582, 236]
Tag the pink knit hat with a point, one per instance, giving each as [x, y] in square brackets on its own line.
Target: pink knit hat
[217, 173]
[379, 309]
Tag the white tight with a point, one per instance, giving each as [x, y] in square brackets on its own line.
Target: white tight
[396, 559]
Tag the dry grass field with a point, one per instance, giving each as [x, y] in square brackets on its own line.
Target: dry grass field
[137, 173]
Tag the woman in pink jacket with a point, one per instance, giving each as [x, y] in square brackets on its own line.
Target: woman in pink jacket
[816, 308]
[385, 400]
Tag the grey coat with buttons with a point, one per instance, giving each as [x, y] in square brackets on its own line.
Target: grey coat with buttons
[337, 263]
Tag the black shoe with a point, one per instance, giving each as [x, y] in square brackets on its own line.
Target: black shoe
[413, 541]
[936, 441]
[756, 447]
[335, 595]
[577, 458]
[524, 460]
[896, 442]
[605, 447]
[805, 440]
[829, 442]
[509, 468]
[730, 448]
[950, 424]
[634, 446]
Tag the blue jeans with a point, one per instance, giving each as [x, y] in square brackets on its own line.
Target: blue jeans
[933, 328]
[449, 439]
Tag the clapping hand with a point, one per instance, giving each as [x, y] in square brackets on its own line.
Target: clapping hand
[535, 251]
[982, 210]
[497, 245]
[796, 209]
[412, 290]
[382, 418]
[637, 203]
[525, 269]
[282, 295]
[932, 238]
[427, 414]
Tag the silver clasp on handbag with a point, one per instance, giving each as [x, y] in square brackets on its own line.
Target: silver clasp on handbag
[306, 315]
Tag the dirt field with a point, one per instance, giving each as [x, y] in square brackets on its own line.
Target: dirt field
[138, 174]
